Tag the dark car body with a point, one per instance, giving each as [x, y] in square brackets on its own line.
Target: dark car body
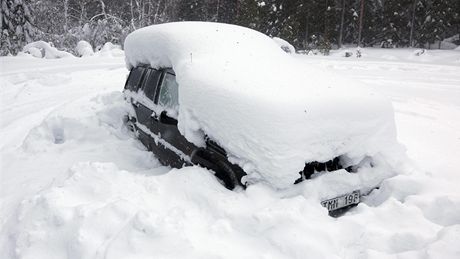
[153, 94]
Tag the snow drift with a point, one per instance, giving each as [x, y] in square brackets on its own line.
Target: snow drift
[41, 49]
[271, 114]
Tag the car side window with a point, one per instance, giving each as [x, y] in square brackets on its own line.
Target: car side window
[134, 79]
[151, 82]
[169, 92]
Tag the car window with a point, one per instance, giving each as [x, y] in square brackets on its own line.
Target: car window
[134, 79]
[151, 82]
[169, 96]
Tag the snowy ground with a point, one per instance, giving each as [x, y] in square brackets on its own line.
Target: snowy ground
[75, 185]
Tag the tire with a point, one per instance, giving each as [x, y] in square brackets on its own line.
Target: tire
[226, 174]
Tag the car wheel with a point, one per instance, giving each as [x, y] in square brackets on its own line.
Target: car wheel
[226, 174]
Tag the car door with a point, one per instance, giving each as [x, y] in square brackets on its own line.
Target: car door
[165, 118]
[145, 103]
[134, 84]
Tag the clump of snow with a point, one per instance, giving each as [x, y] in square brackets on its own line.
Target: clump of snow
[284, 45]
[35, 52]
[41, 49]
[420, 52]
[287, 114]
[421, 55]
[347, 54]
[111, 50]
[84, 49]
[108, 46]
[359, 52]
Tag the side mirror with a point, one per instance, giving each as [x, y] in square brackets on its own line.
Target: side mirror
[165, 119]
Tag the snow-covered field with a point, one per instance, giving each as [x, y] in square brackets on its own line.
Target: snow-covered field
[74, 184]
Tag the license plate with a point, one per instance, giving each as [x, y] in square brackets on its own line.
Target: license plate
[341, 201]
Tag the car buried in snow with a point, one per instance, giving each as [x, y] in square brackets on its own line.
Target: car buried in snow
[229, 99]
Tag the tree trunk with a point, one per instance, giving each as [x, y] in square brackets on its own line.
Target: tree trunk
[1, 16]
[157, 11]
[412, 25]
[217, 11]
[82, 13]
[325, 21]
[306, 23]
[342, 18]
[132, 14]
[66, 8]
[103, 8]
[360, 29]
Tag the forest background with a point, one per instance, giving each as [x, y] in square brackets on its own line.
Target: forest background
[307, 24]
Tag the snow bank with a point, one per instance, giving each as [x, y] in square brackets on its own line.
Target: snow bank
[98, 210]
[35, 52]
[269, 112]
[41, 49]
[284, 45]
[111, 50]
[84, 49]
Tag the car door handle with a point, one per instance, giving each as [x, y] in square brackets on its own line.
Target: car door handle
[154, 116]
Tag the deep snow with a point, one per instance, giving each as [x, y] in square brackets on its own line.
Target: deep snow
[74, 184]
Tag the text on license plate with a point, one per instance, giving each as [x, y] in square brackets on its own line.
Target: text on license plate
[341, 201]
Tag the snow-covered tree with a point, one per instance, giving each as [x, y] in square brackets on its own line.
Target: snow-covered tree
[304, 23]
[16, 24]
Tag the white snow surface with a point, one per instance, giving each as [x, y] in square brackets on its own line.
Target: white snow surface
[271, 113]
[75, 184]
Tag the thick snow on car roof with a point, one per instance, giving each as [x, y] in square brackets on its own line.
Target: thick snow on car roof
[271, 113]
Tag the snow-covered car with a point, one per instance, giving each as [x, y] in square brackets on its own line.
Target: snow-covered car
[230, 99]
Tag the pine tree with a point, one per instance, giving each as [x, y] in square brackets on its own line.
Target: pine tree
[396, 21]
[227, 11]
[304, 23]
[16, 24]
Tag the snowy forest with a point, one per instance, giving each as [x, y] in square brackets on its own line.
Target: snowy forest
[304, 23]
